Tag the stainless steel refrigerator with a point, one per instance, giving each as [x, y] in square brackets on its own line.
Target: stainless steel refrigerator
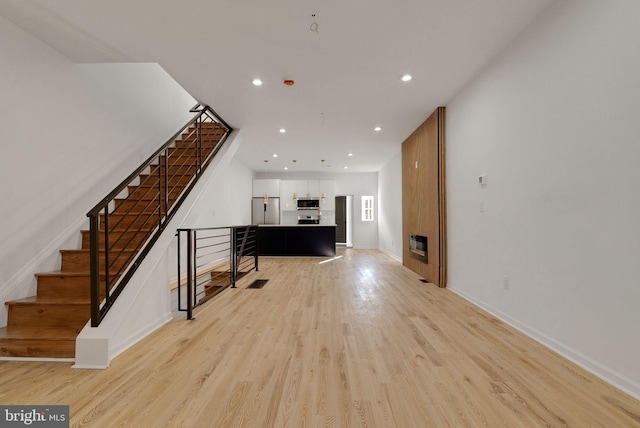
[265, 213]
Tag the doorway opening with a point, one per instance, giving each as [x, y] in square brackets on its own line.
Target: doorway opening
[344, 220]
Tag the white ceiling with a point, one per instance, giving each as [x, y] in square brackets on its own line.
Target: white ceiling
[347, 73]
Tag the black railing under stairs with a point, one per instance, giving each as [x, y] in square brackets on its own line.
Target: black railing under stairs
[129, 220]
[212, 259]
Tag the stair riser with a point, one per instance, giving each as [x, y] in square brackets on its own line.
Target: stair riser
[176, 165]
[67, 287]
[142, 194]
[75, 261]
[38, 348]
[206, 131]
[191, 147]
[48, 316]
[135, 205]
[117, 241]
[122, 222]
[152, 181]
[188, 148]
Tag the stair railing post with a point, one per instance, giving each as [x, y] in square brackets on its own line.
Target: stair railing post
[107, 267]
[189, 277]
[233, 256]
[94, 262]
[160, 190]
[194, 265]
[199, 143]
[166, 183]
[178, 233]
[255, 246]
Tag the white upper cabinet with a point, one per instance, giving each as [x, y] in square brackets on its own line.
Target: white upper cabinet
[302, 188]
[305, 189]
[328, 189]
[313, 188]
[269, 187]
[287, 189]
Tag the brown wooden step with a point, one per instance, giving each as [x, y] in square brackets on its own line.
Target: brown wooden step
[48, 313]
[132, 221]
[78, 260]
[137, 204]
[118, 239]
[38, 342]
[142, 193]
[210, 130]
[153, 181]
[177, 165]
[66, 285]
[211, 291]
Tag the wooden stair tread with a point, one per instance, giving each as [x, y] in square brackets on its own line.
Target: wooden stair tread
[64, 273]
[86, 250]
[101, 231]
[48, 301]
[28, 333]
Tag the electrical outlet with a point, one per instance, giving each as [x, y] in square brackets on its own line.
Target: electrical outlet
[505, 283]
[481, 207]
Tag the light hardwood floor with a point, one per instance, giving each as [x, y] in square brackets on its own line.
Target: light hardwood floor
[358, 341]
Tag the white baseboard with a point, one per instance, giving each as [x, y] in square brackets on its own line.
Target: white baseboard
[134, 338]
[393, 256]
[610, 376]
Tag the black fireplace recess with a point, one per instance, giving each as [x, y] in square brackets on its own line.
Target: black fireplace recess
[418, 247]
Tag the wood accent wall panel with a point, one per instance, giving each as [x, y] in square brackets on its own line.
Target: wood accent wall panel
[423, 196]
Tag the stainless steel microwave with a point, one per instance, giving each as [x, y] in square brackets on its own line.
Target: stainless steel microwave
[308, 204]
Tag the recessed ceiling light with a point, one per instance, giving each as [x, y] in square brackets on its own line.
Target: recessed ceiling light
[257, 82]
[377, 129]
[275, 155]
[286, 167]
[350, 154]
[406, 77]
[346, 167]
[282, 130]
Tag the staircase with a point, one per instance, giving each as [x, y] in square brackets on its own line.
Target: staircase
[46, 325]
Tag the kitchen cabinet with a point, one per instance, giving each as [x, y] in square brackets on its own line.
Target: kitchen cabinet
[327, 187]
[270, 187]
[302, 188]
[287, 189]
[305, 189]
[313, 188]
[297, 241]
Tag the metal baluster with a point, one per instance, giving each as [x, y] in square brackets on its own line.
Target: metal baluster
[189, 278]
[107, 278]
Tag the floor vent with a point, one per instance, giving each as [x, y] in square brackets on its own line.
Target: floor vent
[258, 283]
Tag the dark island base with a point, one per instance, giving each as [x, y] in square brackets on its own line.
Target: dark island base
[301, 241]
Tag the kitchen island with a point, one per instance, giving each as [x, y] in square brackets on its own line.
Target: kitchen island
[297, 240]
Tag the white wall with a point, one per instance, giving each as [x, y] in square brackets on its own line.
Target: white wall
[225, 201]
[390, 207]
[69, 134]
[554, 123]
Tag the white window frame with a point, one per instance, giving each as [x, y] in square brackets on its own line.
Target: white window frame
[367, 208]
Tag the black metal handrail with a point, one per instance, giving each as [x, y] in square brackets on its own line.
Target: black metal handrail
[215, 258]
[127, 222]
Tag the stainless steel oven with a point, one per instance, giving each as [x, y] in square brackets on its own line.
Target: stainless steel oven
[309, 219]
